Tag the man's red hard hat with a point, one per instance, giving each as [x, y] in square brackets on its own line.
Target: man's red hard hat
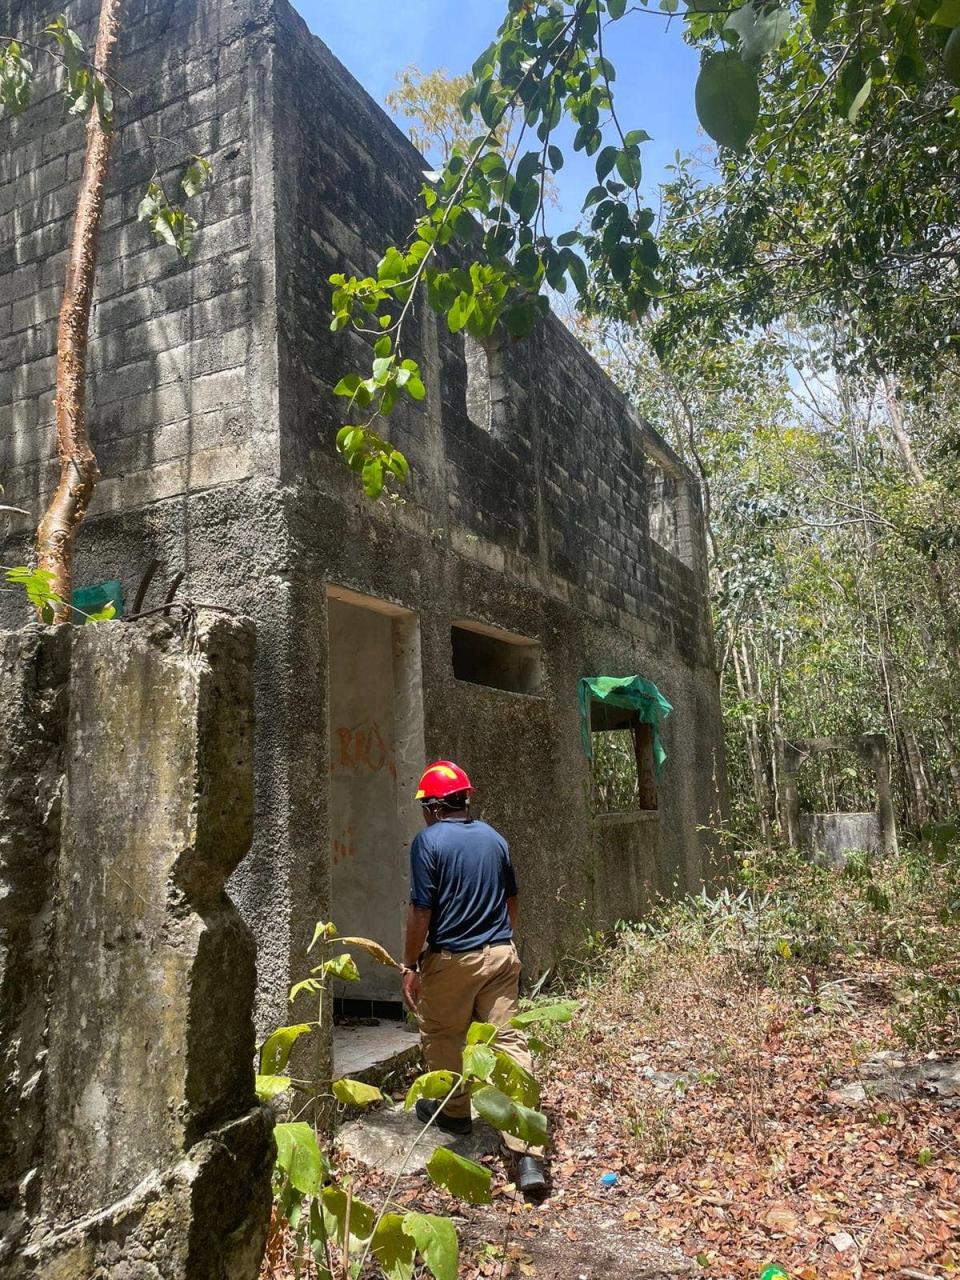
[442, 779]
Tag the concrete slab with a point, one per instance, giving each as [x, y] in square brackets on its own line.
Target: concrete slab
[360, 1048]
[383, 1138]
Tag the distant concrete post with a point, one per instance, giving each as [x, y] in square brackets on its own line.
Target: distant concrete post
[131, 1140]
[875, 752]
[791, 758]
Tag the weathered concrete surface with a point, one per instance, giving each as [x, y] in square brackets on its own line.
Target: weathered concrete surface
[384, 1140]
[133, 1141]
[832, 837]
[568, 522]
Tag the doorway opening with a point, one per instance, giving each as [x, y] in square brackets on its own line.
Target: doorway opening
[375, 705]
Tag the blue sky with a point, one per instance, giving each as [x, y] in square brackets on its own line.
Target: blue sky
[656, 70]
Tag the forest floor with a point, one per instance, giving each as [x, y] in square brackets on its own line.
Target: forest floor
[768, 1074]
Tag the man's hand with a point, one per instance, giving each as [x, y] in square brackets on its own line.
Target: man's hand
[411, 990]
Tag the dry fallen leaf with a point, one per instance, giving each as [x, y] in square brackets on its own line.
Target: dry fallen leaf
[780, 1217]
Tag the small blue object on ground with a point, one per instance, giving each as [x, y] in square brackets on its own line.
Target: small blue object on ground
[609, 1179]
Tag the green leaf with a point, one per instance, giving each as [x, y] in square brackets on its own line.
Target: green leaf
[481, 1033]
[479, 1061]
[433, 1084]
[510, 1117]
[463, 1178]
[299, 1157]
[270, 1086]
[381, 368]
[383, 346]
[310, 985]
[759, 32]
[562, 1011]
[393, 1249]
[323, 929]
[436, 1239]
[605, 161]
[342, 966]
[616, 8]
[857, 104]
[276, 1049]
[362, 1216]
[354, 1093]
[372, 478]
[515, 1081]
[105, 614]
[16, 79]
[727, 99]
[347, 386]
[415, 389]
[196, 176]
[948, 15]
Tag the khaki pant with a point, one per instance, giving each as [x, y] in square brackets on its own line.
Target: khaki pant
[460, 987]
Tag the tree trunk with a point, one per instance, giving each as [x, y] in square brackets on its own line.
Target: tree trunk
[78, 464]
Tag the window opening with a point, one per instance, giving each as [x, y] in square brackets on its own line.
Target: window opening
[497, 659]
[624, 772]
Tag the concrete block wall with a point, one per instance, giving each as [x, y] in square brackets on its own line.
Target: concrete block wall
[210, 402]
[174, 401]
[131, 1141]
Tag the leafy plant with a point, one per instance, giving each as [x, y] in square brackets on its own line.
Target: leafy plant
[339, 1231]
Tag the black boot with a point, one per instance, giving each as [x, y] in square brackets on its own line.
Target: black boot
[531, 1179]
[427, 1108]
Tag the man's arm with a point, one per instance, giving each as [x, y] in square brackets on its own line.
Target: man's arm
[513, 905]
[418, 925]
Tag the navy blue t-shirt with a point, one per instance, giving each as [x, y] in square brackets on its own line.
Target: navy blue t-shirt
[461, 871]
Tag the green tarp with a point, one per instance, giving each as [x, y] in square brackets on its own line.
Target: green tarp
[93, 599]
[629, 693]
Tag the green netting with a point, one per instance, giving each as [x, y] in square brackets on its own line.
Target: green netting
[93, 599]
[630, 693]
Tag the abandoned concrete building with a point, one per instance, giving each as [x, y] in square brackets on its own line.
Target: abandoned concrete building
[546, 534]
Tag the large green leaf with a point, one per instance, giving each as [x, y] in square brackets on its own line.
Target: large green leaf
[362, 1216]
[299, 1157]
[727, 99]
[562, 1011]
[516, 1082]
[463, 1178]
[354, 1093]
[275, 1052]
[436, 1239]
[510, 1117]
[434, 1084]
[393, 1248]
[759, 32]
[271, 1086]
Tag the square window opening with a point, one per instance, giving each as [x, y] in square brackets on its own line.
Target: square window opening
[499, 660]
[624, 774]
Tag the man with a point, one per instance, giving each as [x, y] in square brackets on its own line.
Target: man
[460, 964]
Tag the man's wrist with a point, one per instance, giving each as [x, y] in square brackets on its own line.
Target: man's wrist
[411, 968]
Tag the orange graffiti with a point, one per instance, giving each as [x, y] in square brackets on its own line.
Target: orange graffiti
[363, 747]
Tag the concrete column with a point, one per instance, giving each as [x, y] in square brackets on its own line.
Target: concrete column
[149, 1151]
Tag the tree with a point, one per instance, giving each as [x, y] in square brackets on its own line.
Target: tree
[486, 208]
[89, 85]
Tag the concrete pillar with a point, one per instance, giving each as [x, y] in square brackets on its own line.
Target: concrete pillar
[149, 1151]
